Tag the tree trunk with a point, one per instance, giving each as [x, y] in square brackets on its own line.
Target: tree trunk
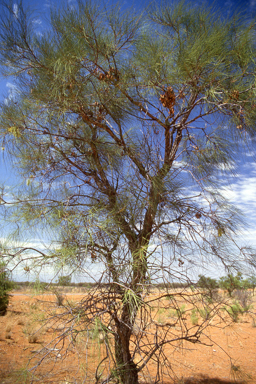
[126, 368]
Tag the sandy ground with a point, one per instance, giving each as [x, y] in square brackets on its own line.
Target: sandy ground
[230, 358]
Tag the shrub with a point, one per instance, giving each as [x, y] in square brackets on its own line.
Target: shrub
[234, 311]
[5, 286]
[64, 280]
[244, 299]
[252, 283]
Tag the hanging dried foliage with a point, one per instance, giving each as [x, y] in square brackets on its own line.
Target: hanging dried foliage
[111, 75]
[234, 95]
[168, 100]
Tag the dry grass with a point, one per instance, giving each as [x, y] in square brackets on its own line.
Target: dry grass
[8, 335]
[8, 328]
[20, 321]
[33, 338]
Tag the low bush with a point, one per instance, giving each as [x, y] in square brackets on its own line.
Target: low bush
[6, 285]
[244, 298]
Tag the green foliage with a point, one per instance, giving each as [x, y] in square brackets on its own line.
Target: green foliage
[205, 313]
[235, 310]
[231, 282]
[116, 119]
[180, 311]
[194, 316]
[207, 283]
[6, 285]
[64, 280]
[244, 298]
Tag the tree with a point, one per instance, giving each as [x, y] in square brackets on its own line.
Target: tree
[231, 282]
[207, 283]
[121, 126]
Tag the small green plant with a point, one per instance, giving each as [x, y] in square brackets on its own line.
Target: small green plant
[205, 313]
[244, 298]
[238, 374]
[161, 311]
[235, 310]
[194, 317]
[22, 376]
[99, 332]
[181, 311]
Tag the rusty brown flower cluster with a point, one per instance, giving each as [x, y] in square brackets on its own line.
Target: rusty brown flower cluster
[168, 100]
[111, 75]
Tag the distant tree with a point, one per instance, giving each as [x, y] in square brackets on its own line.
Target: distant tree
[208, 284]
[231, 282]
[64, 280]
[120, 126]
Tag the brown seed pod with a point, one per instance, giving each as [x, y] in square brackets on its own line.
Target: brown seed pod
[171, 111]
[198, 215]
[102, 76]
[168, 100]
[235, 95]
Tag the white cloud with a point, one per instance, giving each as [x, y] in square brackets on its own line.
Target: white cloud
[12, 92]
[15, 10]
[37, 22]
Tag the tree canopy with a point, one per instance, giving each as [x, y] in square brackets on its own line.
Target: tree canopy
[121, 127]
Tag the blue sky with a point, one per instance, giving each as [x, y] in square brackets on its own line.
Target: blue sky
[242, 187]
